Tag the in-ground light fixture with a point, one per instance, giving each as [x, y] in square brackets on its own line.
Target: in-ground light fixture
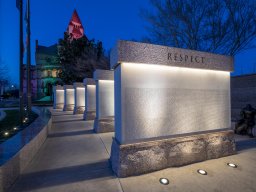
[202, 172]
[6, 133]
[232, 165]
[164, 181]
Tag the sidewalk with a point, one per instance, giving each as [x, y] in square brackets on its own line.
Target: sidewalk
[73, 158]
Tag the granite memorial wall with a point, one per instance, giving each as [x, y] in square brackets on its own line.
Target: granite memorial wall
[172, 107]
[90, 99]
[58, 97]
[69, 98]
[79, 98]
[104, 121]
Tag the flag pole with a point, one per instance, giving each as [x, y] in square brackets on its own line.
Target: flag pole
[28, 60]
[20, 7]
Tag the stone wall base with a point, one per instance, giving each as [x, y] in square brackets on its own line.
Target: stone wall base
[15, 166]
[89, 115]
[139, 158]
[104, 125]
[79, 110]
[69, 107]
[59, 106]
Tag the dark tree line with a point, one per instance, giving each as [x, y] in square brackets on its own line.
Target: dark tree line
[219, 26]
[79, 58]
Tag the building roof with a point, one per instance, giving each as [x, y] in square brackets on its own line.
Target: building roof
[51, 50]
[77, 30]
[75, 17]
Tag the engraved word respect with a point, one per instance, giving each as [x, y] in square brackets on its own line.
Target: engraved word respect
[186, 58]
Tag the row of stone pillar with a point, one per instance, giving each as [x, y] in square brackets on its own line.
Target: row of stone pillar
[170, 106]
[94, 98]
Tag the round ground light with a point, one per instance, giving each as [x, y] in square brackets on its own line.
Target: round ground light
[232, 165]
[202, 172]
[164, 181]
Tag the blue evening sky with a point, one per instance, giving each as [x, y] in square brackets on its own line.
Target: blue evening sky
[105, 20]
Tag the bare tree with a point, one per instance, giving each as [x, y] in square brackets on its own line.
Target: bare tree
[219, 26]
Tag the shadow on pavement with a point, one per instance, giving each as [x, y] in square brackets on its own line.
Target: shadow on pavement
[245, 144]
[73, 133]
[65, 175]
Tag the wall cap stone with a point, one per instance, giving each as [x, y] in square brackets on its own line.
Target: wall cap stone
[103, 74]
[143, 53]
[89, 81]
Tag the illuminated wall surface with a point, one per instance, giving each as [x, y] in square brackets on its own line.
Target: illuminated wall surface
[80, 96]
[90, 98]
[69, 97]
[157, 101]
[59, 97]
[105, 98]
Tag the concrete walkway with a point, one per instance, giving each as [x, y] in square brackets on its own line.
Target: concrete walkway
[73, 158]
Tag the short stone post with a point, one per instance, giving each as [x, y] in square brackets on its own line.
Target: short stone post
[58, 97]
[69, 98]
[90, 99]
[104, 121]
[79, 98]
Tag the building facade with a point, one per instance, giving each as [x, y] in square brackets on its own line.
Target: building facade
[45, 73]
[48, 69]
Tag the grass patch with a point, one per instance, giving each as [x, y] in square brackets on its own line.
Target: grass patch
[4, 104]
[11, 124]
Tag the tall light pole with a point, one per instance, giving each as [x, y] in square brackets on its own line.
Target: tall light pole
[19, 4]
[28, 59]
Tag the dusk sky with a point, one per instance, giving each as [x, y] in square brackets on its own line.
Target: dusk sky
[103, 20]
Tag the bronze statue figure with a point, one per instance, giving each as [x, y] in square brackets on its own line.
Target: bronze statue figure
[247, 121]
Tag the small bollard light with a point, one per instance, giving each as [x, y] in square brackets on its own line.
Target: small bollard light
[15, 128]
[164, 181]
[6, 133]
[202, 172]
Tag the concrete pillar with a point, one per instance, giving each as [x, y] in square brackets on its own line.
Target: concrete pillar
[58, 94]
[79, 98]
[69, 98]
[104, 121]
[90, 99]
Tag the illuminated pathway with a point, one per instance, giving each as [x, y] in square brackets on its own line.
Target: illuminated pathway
[73, 158]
